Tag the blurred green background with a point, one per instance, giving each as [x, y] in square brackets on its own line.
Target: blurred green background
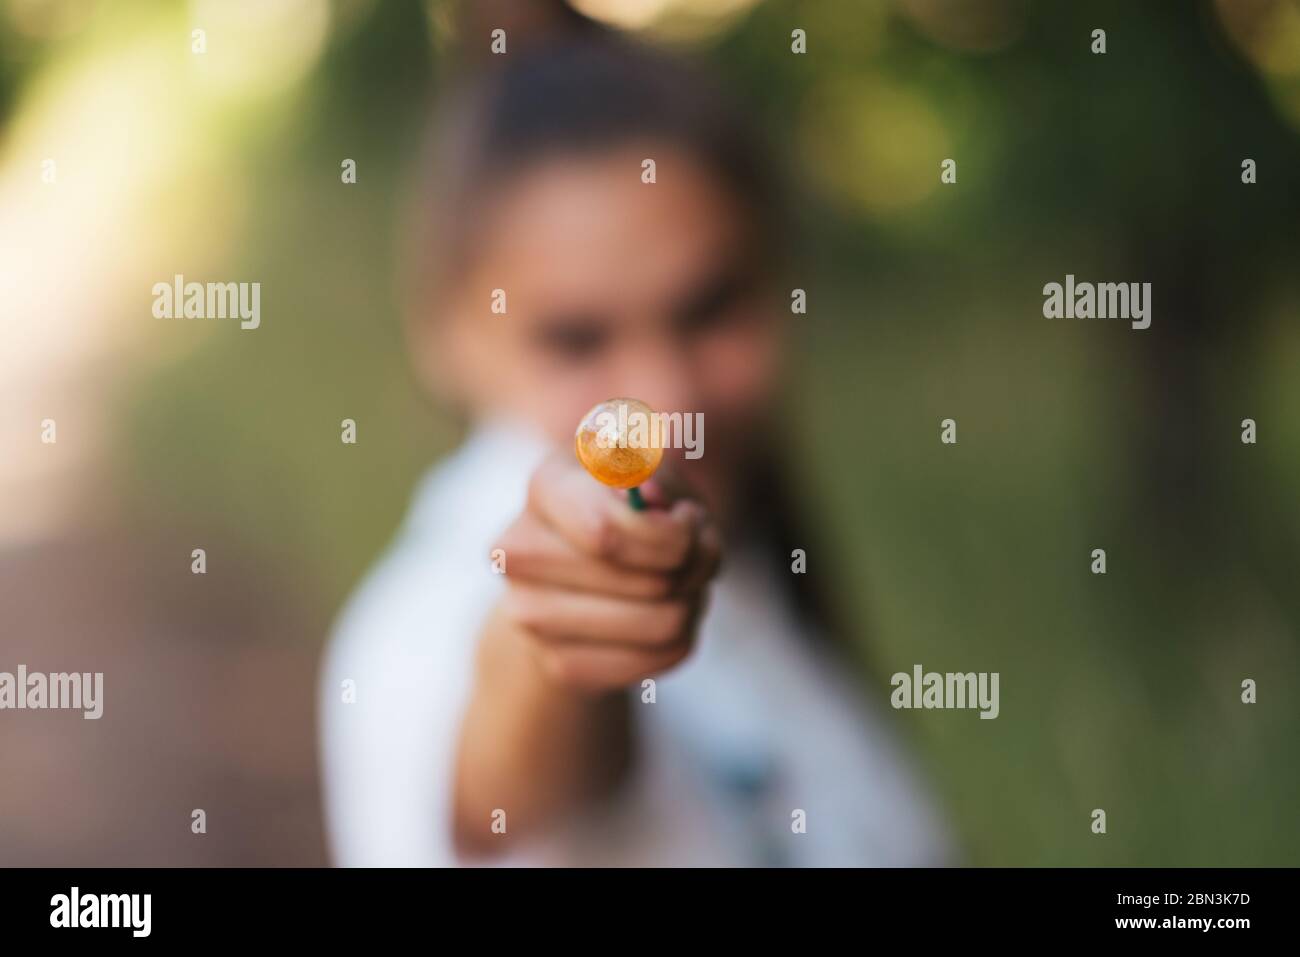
[1119, 691]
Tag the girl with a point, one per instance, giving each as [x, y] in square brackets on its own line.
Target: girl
[639, 687]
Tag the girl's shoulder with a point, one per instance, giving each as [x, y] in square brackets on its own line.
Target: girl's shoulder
[437, 573]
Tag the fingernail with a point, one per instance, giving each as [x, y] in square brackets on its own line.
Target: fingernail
[687, 511]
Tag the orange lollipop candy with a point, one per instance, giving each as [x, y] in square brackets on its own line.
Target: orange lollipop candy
[619, 443]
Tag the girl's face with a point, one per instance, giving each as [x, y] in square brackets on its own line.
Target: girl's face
[615, 287]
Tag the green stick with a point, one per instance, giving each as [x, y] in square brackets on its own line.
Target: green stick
[635, 500]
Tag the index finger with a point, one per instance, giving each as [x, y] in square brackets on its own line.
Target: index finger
[598, 521]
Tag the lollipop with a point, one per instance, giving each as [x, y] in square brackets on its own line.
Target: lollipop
[619, 443]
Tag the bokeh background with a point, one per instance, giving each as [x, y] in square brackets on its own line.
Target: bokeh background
[1120, 692]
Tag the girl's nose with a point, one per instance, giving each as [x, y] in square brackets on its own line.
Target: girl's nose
[662, 378]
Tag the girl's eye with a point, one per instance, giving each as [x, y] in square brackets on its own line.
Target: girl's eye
[571, 340]
[710, 304]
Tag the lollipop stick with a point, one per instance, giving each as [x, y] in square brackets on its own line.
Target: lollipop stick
[635, 500]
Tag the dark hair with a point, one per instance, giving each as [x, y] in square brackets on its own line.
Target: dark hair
[586, 92]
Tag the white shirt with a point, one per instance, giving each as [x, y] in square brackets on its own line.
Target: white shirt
[756, 750]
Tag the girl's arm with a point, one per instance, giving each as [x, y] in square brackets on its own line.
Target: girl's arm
[599, 598]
